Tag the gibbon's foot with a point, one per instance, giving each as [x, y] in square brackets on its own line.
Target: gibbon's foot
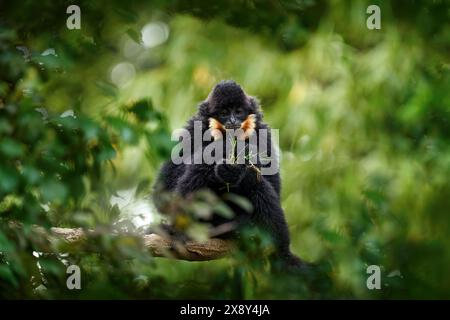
[291, 263]
[298, 266]
[230, 173]
[294, 261]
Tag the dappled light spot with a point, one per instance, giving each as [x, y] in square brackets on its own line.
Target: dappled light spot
[123, 74]
[154, 34]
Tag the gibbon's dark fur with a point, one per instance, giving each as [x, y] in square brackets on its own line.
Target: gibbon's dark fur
[229, 105]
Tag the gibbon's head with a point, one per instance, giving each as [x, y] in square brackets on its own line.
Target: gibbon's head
[229, 107]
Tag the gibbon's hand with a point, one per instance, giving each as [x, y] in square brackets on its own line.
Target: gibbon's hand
[230, 173]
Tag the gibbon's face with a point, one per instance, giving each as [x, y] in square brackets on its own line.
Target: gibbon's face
[247, 126]
[231, 117]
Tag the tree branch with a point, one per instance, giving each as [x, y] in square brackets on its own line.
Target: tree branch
[158, 245]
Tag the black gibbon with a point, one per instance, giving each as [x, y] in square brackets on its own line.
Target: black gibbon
[229, 107]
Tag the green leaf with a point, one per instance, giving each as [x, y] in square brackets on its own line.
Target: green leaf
[242, 202]
[51, 266]
[160, 143]
[144, 111]
[107, 153]
[127, 132]
[8, 179]
[48, 61]
[143, 186]
[126, 14]
[107, 89]
[223, 210]
[11, 148]
[134, 35]
[90, 128]
[52, 190]
[5, 244]
[31, 174]
[5, 126]
[7, 275]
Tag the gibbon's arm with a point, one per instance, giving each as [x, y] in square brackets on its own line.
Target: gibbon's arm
[196, 177]
[200, 176]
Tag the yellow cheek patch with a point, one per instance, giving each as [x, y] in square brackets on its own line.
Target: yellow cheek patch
[216, 129]
[248, 127]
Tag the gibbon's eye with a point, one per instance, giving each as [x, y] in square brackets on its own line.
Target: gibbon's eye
[239, 112]
[223, 113]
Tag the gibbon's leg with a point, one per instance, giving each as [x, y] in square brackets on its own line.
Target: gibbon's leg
[268, 214]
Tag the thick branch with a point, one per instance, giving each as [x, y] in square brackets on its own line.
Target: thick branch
[159, 246]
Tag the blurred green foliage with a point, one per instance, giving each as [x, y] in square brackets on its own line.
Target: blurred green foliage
[364, 134]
